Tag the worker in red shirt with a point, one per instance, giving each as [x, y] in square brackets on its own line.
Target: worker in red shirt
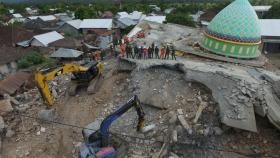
[145, 52]
[162, 52]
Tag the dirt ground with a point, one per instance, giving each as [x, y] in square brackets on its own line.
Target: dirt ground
[162, 90]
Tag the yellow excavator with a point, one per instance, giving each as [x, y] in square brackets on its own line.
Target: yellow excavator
[87, 74]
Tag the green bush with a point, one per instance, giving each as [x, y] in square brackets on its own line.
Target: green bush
[180, 18]
[31, 60]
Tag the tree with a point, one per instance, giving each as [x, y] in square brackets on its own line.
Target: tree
[180, 18]
[274, 12]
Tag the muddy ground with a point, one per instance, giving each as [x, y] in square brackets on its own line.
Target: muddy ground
[162, 90]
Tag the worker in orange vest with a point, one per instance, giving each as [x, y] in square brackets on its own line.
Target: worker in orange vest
[123, 50]
[162, 52]
[97, 55]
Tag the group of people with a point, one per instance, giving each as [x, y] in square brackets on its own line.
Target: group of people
[142, 52]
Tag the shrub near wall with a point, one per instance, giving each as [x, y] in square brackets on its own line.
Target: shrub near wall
[31, 59]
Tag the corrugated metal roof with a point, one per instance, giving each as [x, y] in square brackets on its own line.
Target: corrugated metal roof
[122, 14]
[262, 8]
[127, 21]
[75, 23]
[47, 17]
[17, 15]
[157, 19]
[33, 17]
[135, 15]
[66, 53]
[97, 23]
[270, 27]
[47, 38]
[13, 82]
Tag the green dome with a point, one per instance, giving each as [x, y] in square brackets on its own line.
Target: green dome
[234, 32]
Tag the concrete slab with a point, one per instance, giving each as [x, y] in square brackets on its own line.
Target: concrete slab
[236, 91]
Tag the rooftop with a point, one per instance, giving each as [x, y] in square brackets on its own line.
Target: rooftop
[17, 15]
[75, 23]
[97, 23]
[47, 18]
[66, 53]
[48, 38]
[270, 27]
[158, 19]
[235, 31]
[263, 8]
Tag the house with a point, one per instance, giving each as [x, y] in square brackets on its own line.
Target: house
[270, 35]
[208, 15]
[11, 11]
[47, 18]
[261, 10]
[70, 43]
[104, 39]
[67, 54]
[169, 10]
[157, 19]
[41, 22]
[63, 17]
[16, 18]
[91, 25]
[125, 22]
[120, 15]
[45, 39]
[71, 27]
[31, 11]
[137, 16]
[196, 16]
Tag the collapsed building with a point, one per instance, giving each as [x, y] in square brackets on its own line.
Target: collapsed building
[233, 36]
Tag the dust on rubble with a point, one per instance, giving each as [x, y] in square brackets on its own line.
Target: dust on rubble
[183, 115]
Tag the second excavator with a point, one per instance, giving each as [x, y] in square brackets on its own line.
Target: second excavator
[87, 74]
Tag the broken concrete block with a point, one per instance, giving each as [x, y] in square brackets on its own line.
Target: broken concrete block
[180, 112]
[201, 107]
[185, 124]
[148, 128]
[174, 135]
[218, 131]
[46, 115]
[5, 106]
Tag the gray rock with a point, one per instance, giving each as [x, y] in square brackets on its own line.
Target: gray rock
[46, 115]
[5, 106]
[218, 131]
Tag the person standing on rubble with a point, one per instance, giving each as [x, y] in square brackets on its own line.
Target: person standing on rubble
[167, 53]
[97, 55]
[156, 52]
[173, 53]
[135, 52]
[127, 50]
[162, 52]
[150, 53]
[141, 54]
[145, 52]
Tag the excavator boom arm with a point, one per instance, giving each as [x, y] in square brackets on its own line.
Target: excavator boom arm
[41, 79]
[106, 123]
